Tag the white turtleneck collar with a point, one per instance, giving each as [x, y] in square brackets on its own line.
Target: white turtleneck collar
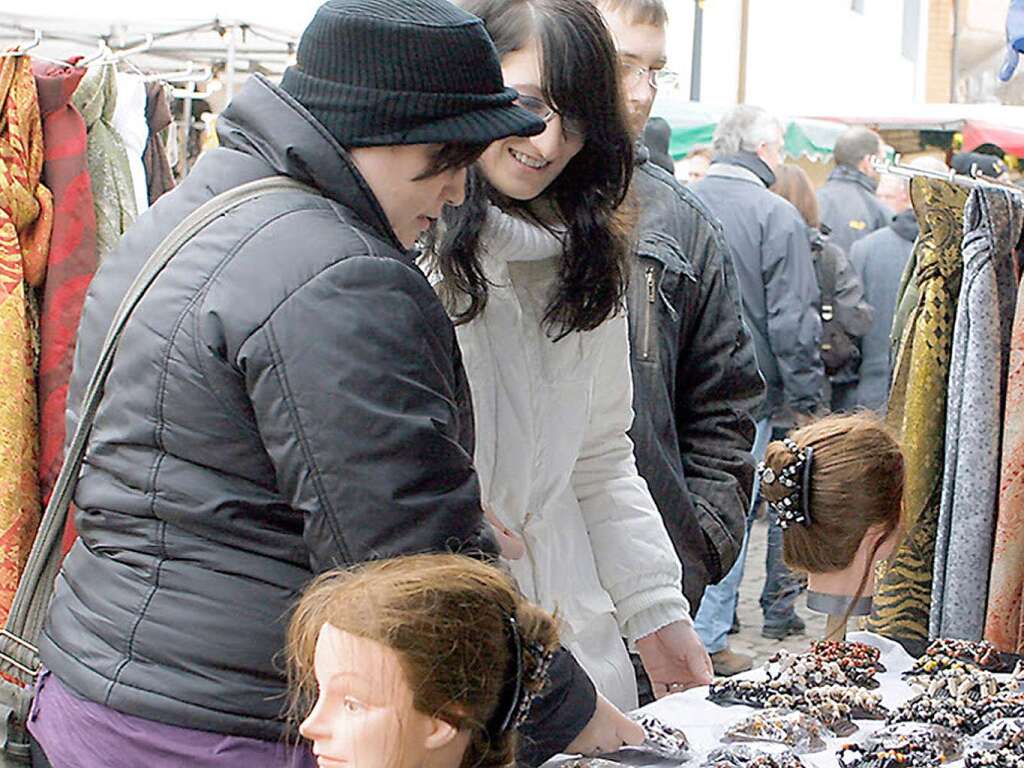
[511, 238]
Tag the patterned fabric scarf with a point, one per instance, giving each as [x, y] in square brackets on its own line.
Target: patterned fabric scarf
[1004, 621]
[917, 410]
[26, 217]
[112, 190]
[72, 258]
[977, 372]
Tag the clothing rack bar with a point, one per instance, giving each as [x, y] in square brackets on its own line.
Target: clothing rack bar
[895, 168]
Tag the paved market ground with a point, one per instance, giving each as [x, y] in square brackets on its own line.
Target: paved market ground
[749, 639]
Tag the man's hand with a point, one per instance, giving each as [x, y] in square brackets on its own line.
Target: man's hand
[607, 731]
[675, 659]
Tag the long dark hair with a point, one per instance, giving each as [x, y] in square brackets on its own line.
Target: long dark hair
[580, 74]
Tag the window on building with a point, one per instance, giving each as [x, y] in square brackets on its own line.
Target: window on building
[911, 28]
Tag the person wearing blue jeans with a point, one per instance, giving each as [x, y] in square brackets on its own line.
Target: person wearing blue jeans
[718, 606]
[781, 588]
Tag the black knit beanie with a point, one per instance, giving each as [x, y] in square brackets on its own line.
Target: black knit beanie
[383, 72]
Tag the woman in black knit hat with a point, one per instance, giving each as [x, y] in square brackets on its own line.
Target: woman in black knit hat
[288, 398]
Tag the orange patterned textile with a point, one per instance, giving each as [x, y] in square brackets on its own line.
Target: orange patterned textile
[26, 218]
[1003, 622]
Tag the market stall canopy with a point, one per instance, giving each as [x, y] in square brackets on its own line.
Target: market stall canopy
[693, 124]
[230, 47]
[978, 123]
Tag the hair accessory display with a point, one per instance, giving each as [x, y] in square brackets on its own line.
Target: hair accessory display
[849, 654]
[858, 703]
[969, 684]
[661, 740]
[742, 756]
[948, 713]
[794, 507]
[752, 693]
[780, 726]
[1000, 745]
[989, 711]
[981, 653]
[802, 671]
[907, 745]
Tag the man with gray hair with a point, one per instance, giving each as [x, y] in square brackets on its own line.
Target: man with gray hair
[849, 206]
[780, 304]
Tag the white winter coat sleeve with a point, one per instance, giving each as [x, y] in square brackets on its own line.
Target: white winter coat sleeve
[636, 562]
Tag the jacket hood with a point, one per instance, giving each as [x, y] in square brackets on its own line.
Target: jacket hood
[266, 123]
[852, 175]
[905, 225]
[752, 163]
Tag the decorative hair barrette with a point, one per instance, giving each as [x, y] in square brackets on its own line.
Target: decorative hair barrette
[526, 683]
[795, 506]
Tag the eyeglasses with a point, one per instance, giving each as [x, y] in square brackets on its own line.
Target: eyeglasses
[543, 110]
[634, 74]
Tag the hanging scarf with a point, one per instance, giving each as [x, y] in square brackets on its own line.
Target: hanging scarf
[26, 216]
[977, 373]
[1004, 621]
[917, 411]
[112, 189]
[72, 258]
[159, 177]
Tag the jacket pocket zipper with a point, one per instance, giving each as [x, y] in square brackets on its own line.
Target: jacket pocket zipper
[652, 296]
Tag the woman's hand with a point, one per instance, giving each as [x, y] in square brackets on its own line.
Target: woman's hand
[607, 731]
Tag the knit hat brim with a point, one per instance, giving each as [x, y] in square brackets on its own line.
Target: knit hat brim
[366, 117]
[481, 126]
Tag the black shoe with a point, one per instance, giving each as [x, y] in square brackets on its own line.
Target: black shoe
[795, 626]
[736, 627]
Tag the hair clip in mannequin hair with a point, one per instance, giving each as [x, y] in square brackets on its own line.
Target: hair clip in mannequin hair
[518, 694]
[795, 506]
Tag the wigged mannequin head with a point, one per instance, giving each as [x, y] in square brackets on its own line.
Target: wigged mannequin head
[855, 495]
[411, 663]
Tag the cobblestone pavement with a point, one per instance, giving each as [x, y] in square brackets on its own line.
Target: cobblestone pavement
[749, 639]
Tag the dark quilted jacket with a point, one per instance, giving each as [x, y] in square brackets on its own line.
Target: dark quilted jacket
[288, 398]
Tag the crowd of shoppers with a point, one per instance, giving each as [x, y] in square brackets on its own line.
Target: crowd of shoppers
[504, 329]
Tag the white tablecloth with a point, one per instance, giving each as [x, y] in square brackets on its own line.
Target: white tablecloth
[705, 722]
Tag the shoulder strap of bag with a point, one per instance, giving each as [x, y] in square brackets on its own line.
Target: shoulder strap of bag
[827, 282]
[19, 656]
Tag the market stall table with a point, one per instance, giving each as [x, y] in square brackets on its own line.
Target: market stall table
[705, 722]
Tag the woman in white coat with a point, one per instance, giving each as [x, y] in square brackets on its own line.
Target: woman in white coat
[533, 269]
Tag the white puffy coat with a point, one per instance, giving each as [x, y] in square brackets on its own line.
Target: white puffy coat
[556, 465]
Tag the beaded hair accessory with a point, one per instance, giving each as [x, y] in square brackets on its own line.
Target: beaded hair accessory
[523, 688]
[795, 506]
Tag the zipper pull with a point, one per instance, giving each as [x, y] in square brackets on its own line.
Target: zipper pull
[651, 288]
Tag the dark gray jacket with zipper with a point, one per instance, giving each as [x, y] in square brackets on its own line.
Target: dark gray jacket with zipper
[288, 398]
[695, 378]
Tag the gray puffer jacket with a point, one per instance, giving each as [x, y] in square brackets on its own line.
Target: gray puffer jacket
[778, 287]
[695, 378]
[288, 398]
